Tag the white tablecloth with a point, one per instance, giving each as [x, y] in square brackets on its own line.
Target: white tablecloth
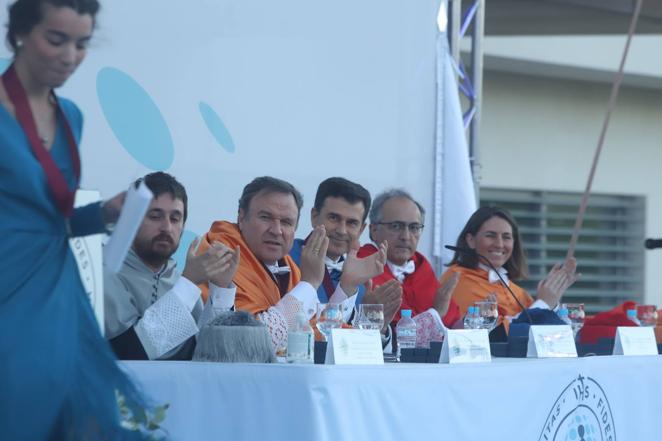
[611, 398]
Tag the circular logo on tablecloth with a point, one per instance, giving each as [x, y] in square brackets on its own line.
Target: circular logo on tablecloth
[581, 413]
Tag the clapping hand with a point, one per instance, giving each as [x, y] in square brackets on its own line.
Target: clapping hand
[230, 262]
[442, 297]
[559, 279]
[312, 257]
[357, 271]
[389, 294]
[217, 264]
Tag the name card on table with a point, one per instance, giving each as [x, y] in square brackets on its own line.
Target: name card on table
[465, 346]
[551, 341]
[354, 346]
[634, 340]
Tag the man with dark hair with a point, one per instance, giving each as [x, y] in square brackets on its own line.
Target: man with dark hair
[398, 218]
[152, 311]
[269, 282]
[342, 207]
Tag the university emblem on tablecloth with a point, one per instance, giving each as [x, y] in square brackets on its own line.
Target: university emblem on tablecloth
[581, 413]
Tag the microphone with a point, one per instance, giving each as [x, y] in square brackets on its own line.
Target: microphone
[472, 252]
[651, 244]
[469, 251]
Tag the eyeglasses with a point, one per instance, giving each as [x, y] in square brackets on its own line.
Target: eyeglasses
[397, 227]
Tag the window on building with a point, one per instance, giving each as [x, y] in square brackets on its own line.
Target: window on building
[610, 252]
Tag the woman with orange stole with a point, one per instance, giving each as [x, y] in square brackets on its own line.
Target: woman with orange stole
[490, 246]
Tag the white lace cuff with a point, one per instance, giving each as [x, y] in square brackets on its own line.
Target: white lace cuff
[436, 317]
[305, 293]
[165, 325]
[429, 327]
[277, 326]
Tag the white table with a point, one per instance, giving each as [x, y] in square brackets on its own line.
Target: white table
[508, 399]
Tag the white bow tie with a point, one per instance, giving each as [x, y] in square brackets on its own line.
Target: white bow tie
[332, 265]
[278, 270]
[400, 271]
[492, 276]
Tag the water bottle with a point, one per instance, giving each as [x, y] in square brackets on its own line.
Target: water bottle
[300, 341]
[632, 315]
[468, 318]
[472, 319]
[405, 331]
[563, 315]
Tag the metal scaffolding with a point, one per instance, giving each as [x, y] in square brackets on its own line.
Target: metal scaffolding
[471, 78]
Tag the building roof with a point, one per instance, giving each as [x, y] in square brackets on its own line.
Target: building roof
[569, 17]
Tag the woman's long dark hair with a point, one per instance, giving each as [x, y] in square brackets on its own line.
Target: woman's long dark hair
[516, 266]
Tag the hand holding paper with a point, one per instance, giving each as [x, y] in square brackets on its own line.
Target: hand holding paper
[136, 203]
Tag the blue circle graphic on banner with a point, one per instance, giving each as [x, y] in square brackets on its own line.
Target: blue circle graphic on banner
[4, 64]
[184, 242]
[135, 119]
[216, 127]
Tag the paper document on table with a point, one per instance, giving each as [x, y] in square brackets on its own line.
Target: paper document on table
[354, 346]
[551, 341]
[466, 346]
[133, 212]
[634, 340]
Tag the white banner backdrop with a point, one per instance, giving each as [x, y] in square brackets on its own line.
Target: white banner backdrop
[586, 399]
[218, 92]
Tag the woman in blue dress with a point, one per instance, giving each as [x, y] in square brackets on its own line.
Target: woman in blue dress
[58, 377]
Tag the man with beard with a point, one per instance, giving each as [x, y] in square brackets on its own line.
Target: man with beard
[397, 218]
[342, 207]
[152, 311]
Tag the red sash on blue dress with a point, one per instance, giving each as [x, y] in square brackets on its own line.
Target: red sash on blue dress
[64, 197]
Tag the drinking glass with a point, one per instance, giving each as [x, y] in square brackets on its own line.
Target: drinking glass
[488, 312]
[370, 316]
[576, 315]
[329, 316]
[647, 315]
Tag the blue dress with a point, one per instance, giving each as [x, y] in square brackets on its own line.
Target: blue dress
[57, 373]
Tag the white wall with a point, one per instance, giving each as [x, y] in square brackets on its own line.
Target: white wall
[541, 133]
[306, 90]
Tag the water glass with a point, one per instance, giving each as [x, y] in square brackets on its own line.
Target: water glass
[370, 316]
[576, 315]
[329, 316]
[647, 315]
[489, 314]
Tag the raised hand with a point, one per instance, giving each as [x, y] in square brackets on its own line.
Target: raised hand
[111, 208]
[223, 274]
[208, 265]
[389, 294]
[357, 271]
[312, 257]
[442, 297]
[559, 279]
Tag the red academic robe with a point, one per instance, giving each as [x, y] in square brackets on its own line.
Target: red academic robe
[418, 288]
